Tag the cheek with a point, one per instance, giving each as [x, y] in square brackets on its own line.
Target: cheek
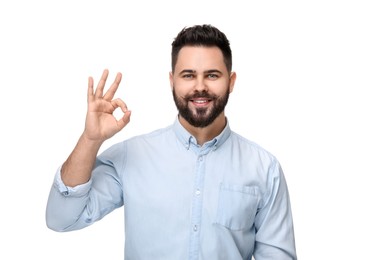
[177, 92]
[182, 87]
[220, 88]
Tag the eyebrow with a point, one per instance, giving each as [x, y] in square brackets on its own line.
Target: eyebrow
[206, 72]
[187, 71]
[213, 71]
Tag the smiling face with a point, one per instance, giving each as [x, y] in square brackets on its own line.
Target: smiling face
[201, 85]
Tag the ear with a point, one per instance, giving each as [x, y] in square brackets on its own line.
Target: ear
[171, 79]
[232, 80]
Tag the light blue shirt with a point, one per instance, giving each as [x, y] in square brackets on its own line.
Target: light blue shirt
[224, 200]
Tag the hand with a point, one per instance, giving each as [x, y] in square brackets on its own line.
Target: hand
[100, 123]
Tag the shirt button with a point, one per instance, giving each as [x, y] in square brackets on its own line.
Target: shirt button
[200, 158]
[197, 192]
[195, 228]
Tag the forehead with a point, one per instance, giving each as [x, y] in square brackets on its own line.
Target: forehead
[200, 58]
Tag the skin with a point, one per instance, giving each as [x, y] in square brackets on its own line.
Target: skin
[201, 69]
[100, 125]
[198, 69]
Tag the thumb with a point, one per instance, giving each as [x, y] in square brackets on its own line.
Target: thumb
[121, 123]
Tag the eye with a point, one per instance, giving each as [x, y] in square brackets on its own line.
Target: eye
[188, 76]
[212, 76]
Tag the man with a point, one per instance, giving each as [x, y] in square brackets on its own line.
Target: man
[192, 190]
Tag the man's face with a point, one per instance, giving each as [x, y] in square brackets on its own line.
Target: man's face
[201, 84]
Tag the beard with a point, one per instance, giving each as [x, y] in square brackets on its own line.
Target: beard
[202, 116]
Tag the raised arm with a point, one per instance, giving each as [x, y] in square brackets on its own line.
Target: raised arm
[99, 126]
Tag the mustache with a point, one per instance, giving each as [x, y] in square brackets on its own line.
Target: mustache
[201, 94]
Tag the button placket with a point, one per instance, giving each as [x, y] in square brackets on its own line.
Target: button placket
[197, 205]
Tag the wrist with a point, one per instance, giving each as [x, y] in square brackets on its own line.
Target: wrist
[90, 142]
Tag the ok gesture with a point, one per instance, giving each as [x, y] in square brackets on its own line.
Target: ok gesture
[100, 123]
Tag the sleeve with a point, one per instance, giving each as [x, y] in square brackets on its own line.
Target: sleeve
[72, 208]
[274, 225]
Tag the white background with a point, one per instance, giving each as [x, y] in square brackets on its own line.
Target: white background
[300, 94]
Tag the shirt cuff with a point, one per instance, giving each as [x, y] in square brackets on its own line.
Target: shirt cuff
[77, 191]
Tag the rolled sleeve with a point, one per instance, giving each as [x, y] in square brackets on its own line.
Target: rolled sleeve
[65, 205]
[77, 191]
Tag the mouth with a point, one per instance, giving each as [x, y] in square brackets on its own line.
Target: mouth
[200, 102]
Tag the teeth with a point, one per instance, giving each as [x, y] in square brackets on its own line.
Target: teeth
[200, 101]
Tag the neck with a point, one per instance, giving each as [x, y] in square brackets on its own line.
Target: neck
[204, 134]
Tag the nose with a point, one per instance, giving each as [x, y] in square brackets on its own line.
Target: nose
[200, 84]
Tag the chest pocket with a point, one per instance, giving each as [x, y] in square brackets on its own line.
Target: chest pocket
[237, 206]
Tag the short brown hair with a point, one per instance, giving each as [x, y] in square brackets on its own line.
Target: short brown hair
[202, 35]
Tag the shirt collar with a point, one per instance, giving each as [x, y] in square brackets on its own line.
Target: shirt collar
[186, 138]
